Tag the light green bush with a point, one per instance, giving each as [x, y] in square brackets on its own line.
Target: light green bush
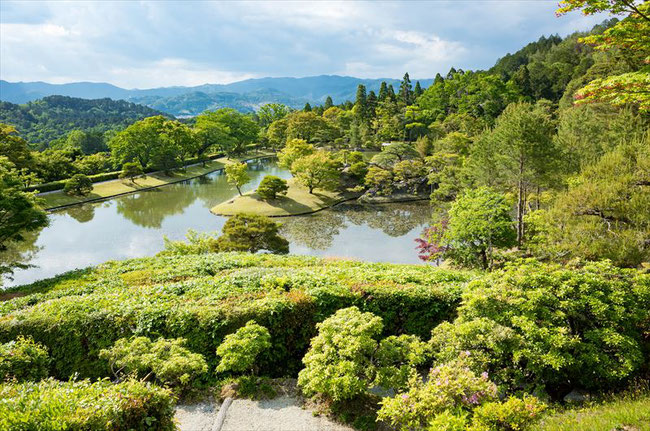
[346, 358]
[165, 361]
[513, 414]
[23, 359]
[271, 186]
[552, 327]
[239, 351]
[82, 405]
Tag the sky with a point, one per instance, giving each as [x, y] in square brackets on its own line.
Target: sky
[141, 44]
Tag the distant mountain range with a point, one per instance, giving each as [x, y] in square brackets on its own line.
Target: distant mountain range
[245, 96]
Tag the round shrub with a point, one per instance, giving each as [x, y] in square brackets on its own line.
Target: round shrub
[79, 185]
[271, 186]
[23, 359]
[346, 357]
[239, 351]
[165, 360]
[552, 327]
[512, 414]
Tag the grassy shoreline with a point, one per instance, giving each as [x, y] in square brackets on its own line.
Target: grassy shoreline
[114, 188]
[297, 201]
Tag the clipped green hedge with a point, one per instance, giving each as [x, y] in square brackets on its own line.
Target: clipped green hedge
[82, 405]
[203, 298]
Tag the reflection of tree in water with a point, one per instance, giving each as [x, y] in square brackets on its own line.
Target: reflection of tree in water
[150, 208]
[19, 254]
[81, 213]
[394, 219]
[316, 231]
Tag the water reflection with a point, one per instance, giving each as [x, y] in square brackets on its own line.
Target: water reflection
[134, 225]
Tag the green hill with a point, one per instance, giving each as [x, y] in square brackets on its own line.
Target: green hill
[52, 117]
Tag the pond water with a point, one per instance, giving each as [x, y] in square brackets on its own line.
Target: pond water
[134, 226]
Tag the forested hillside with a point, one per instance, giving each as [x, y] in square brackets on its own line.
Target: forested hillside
[53, 117]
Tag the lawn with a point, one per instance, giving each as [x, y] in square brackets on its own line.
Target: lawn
[297, 201]
[112, 188]
[622, 414]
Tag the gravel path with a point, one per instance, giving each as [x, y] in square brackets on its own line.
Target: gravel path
[196, 417]
[279, 414]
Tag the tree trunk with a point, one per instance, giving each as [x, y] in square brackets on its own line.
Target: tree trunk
[520, 203]
[239, 190]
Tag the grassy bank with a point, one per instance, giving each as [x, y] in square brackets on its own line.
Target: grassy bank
[297, 201]
[632, 414]
[108, 189]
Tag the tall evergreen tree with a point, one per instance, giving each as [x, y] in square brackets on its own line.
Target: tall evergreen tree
[417, 91]
[438, 79]
[391, 93]
[361, 102]
[372, 104]
[406, 90]
[307, 107]
[383, 91]
[328, 103]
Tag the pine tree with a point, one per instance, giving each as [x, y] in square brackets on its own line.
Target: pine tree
[328, 103]
[383, 91]
[391, 93]
[361, 102]
[307, 107]
[417, 91]
[406, 90]
[372, 104]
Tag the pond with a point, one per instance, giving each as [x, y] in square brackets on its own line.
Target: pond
[134, 226]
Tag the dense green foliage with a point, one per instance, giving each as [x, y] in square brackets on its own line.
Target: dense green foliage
[203, 298]
[239, 351]
[551, 327]
[455, 398]
[271, 186]
[167, 362]
[346, 358]
[237, 175]
[250, 232]
[82, 405]
[23, 359]
[53, 117]
[79, 185]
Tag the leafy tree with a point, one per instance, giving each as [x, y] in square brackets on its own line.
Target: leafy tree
[241, 129]
[15, 148]
[305, 125]
[394, 153]
[237, 175]
[93, 164]
[603, 214]
[271, 112]
[138, 142]
[518, 154]
[380, 180]
[210, 132]
[179, 137]
[19, 210]
[478, 223]
[79, 185]
[411, 173]
[131, 170]
[295, 149]
[317, 170]
[446, 166]
[240, 351]
[271, 186]
[252, 233]
[276, 134]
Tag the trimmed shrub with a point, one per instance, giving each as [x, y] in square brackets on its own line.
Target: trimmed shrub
[346, 358]
[23, 359]
[512, 414]
[165, 361]
[79, 185]
[82, 405]
[203, 298]
[552, 327]
[271, 186]
[239, 351]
